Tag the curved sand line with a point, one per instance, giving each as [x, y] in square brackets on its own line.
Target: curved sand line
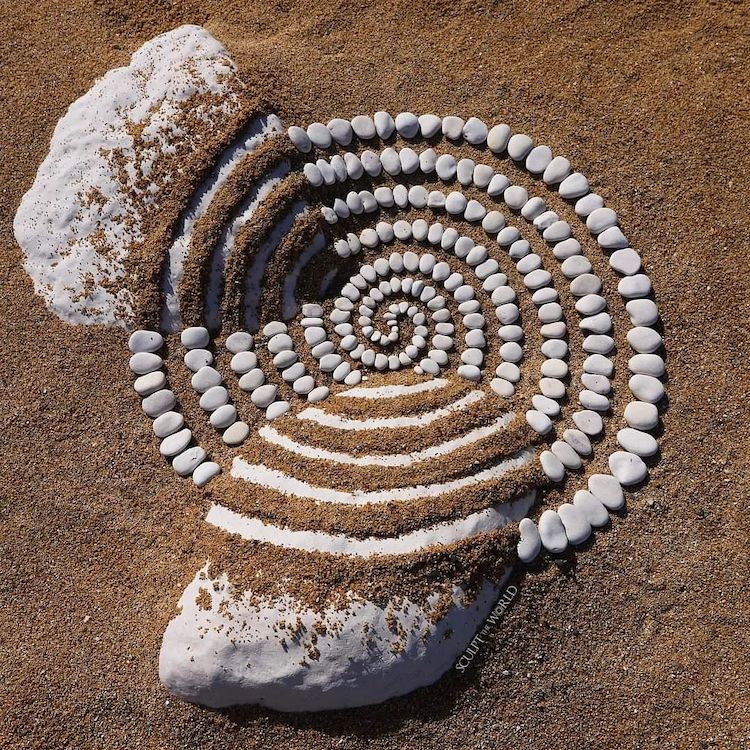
[393, 391]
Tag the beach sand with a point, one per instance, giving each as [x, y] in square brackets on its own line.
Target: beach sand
[641, 639]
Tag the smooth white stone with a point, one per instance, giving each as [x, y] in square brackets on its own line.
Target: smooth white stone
[627, 468]
[584, 206]
[552, 532]
[519, 146]
[647, 364]
[319, 135]
[585, 283]
[486, 269]
[470, 372]
[145, 341]
[402, 230]
[635, 286]
[591, 304]
[553, 330]
[354, 203]
[554, 368]
[465, 171]
[446, 167]
[313, 174]
[187, 461]
[559, 231]
[515, 196]
[150, 382]
[646, 388]
[552, 466]
[574, 186]
[508, 236]
[595, 401]
[329, 214]
[600, 219]
[304, 384]
[566, 249]
[475, 339]
[612, 238]
[588, 421]
[599, 323]
[519, 249]
[341, 130]
[625, 261]
[371, 163]
[577, 527]
[205, 472]
[264, 395]
[207, 377]
[236, 433]
[436, 200]
[538, 422]
[636, 441]
[223, 416]
[390, 161]
[498, 137]
[530, 544]
[463, 246]
[168, 423]
[339, 168]
[409, 160]
[579, 441]
[555, 349]
[175, 443]
[239, 342]
[407, 124]
[557, 170]
[453, 127]
[142, 363]
[642, 312]
[552, 387]
[274, 327]
[493, 222]
[537, 279]
[502, 387]
[420, 228]
[418, 196]
[158, 403]
[641, 415]
[539, 159]
[644, 340]
[327, 170]
[592, 508]
[300, 139]
[482, 176]
[214, 397]
[286, 358]
[363, 127]
[545, 405]
[606, 489]
[384, 125]
[497, 185]
[474, 211]
[508, 371]
[596, 383]
[428, 160]
[475, 131]
[566, 455]
[529, 263]
[510, 333]
[429, 125]
[243, 362]
[329, 362]
[455, 203]
[534, 208]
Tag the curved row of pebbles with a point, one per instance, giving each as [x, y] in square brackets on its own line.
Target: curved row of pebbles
[161, 404]
[572, 522]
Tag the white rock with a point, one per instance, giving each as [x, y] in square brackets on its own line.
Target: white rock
[196, 358]
[475, 131]
[625, 261]
[502, 387]
[371, 163]
[319, 135]
[644, 340]
[591, 304]
[187, 461]
[552, 532]
[175, 443]
[498, 137]
[592, 508]
[142, 363]
[313, 174]
[579, 441]
[627, 468]
[642, 312]
[612, 238]
[214, 397]
[585, 283]
[588, 421]
[429, 125]
[341, 130]
[636, 441]
[474, 211]
[539, 159]
[363, 127]
[252, 380]
[482, 176]
[558, 231]
[318, 394]
[384, 125]
[515, 196]
[300, 139]
[409, 160]
[566, 455]
[498, 185]
[158, 403]
[641, 415]
[566, 248]
[632, 287]
[534, 208]
[427, 160]
[594, 401]
[584, 206]
[557, 170]
[236, 433]
[647, 364]
[598, 344]
[465, 171]
[278, 409]
[168, 423]
[446, 167]
[577, 527]
[530, 544]
[243, 362]
[205, 472]
[264, 395]
[150, 382]
[223, 416]
[493, 222]
[519, 146]
[646, 388]
[145, 341]
[455, 203]
[453, 127]
[574, 186]
[207, 377]
[606, 489]
[407, 124]
[538, 422]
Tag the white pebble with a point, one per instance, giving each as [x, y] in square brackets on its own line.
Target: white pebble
[552, 532]
[627, 468]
